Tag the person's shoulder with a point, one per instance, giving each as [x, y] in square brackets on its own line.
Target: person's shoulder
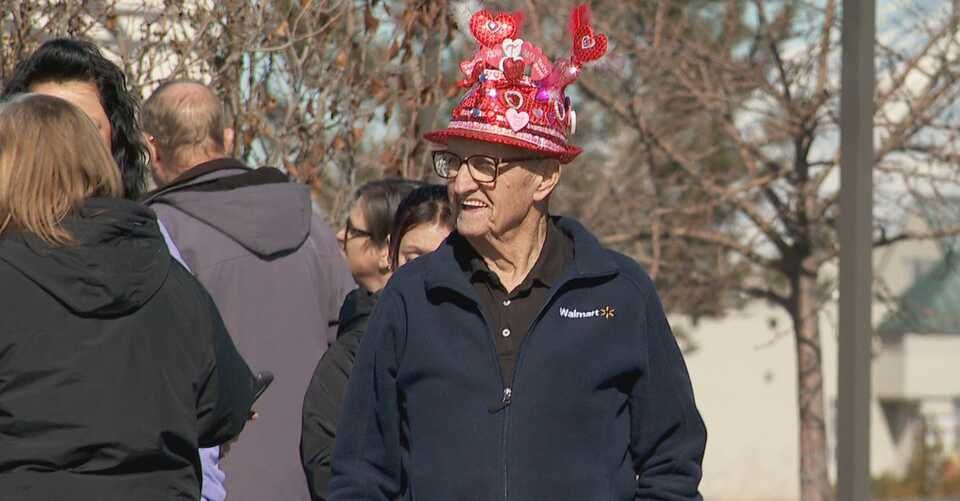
[632, 272]
[602, 256]
[184, 289]
[413, 273]
[9, 274]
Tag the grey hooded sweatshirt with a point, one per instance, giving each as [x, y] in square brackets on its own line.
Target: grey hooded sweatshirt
[273, 267]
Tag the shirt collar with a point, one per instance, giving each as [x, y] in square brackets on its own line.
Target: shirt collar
[557, 253]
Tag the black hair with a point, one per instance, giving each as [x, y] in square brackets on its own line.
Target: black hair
[427, 204]
[66, 60]
[379, 201]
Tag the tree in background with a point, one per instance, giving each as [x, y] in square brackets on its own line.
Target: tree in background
[314, 86]
[727, 140]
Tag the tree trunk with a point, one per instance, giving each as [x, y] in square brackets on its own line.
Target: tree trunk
[814, 478]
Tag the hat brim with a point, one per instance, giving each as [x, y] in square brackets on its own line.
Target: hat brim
[567, 155]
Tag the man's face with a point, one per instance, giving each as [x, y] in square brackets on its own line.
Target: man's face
[492, 210]
[83, 95]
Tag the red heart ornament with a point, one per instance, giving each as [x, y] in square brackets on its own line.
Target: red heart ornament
[540, 66]
[474, 76]
[469, 67]
[490, 30]
[588, 46]
[492, 56]
[513, 69]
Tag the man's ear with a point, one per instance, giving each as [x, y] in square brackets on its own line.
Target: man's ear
[151, 148]
[547, 180]
[228, 137]
[383, 256]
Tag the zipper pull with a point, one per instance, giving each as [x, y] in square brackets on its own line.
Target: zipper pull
[503, 403]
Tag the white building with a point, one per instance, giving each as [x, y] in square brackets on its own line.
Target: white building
[744, 376]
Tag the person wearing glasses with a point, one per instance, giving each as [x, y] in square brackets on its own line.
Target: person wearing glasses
[365, 235]
[365, 239]
[522, 360]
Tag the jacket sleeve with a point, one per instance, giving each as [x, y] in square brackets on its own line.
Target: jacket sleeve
[322, 405]
[367, 454]
[225, 391]
[668, 435]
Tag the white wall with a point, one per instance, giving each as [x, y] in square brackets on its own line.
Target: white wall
[744, 378]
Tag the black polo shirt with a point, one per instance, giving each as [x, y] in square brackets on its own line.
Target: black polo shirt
[510, 315]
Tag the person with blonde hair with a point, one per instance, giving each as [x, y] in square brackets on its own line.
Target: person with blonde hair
[114, 363]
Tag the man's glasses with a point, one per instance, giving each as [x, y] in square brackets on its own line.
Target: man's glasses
[483, 168]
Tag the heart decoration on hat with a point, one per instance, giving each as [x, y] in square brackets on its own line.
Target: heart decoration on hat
[513, 69]
[513, 99]
[491, 30]
[591, 47]
[587, 45]
[472, 68]
[515, 95]
[540, 66]
[512, 48]
[517, 119]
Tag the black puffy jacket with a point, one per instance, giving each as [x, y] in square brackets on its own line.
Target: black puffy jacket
[328, 388]
[114, 364]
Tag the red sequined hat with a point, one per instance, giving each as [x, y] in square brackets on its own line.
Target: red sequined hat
[516, 95]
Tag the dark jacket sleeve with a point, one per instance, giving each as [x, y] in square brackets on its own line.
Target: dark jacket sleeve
[322, 405]
[367, 454]
[225, 392]
[668, 436]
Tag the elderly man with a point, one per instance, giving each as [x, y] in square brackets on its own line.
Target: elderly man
[521, 360]
[271, 264]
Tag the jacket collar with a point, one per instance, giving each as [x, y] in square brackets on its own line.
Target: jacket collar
[192, 175]
[590, 260]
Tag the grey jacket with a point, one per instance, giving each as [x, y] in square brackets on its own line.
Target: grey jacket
[277, 275]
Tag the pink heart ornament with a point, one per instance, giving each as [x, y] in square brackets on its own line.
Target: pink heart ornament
[517, 119]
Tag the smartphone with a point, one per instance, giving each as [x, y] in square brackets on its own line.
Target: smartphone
[261, 381]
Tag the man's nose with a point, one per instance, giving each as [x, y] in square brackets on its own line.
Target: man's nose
[464, 183]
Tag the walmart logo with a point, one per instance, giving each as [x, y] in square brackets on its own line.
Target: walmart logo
[606, 312]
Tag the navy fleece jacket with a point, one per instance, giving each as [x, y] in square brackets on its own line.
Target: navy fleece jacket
[601, 406]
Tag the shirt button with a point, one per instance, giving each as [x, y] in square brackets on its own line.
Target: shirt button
[505, 333]
[506, 302]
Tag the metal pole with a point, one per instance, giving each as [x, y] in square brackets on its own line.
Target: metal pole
[856, 262]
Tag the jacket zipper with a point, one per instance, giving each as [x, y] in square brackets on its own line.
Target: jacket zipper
[505, 398]
[508, 392]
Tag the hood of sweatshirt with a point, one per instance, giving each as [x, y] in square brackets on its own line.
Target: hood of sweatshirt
[117, 263]
[259, 209]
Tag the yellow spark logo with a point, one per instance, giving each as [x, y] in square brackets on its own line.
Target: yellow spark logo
[608, 312]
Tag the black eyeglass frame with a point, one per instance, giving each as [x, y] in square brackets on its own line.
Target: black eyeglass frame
[350, 232]
[498, 163]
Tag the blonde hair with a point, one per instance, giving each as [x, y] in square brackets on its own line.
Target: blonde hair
[51, 160]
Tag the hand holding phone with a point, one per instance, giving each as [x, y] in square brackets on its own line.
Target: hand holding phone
[261, 381]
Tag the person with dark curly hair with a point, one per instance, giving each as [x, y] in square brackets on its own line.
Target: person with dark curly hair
[115, 365]
[76, 71]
